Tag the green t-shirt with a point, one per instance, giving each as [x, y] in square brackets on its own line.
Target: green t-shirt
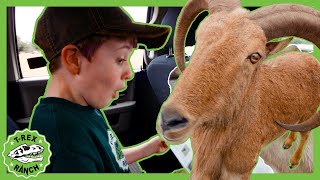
[81, 140]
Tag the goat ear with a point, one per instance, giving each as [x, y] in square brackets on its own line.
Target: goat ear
[274, 47]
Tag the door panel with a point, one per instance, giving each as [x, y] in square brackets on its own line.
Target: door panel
[120, 111]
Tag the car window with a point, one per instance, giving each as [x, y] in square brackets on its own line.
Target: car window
[25, 20]
[303, 45]
[189, 50]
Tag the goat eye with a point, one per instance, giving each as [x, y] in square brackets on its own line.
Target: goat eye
[254, 58]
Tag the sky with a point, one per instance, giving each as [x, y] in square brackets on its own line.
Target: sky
[27, 16]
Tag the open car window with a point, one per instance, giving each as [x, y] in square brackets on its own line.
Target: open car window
[25, 23]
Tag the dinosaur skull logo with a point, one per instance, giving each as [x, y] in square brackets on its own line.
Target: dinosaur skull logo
[25, 153]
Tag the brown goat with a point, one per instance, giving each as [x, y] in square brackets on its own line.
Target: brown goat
[229, 98]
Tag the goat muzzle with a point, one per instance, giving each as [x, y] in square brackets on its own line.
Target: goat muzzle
[172, 121]
[172, 126]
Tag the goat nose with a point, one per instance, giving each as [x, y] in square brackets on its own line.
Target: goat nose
[172, 120]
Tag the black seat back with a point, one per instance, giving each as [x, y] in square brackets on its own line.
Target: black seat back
[159, 68]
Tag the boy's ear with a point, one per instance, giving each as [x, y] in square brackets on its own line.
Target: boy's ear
[70, 58]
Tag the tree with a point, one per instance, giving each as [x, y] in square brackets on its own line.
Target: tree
[24, 46]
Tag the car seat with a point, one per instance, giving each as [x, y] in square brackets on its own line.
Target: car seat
[160, 67]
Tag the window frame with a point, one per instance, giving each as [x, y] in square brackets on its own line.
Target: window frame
[14, 72]
[14, 64]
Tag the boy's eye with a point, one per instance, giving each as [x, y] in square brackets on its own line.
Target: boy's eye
[121, 60]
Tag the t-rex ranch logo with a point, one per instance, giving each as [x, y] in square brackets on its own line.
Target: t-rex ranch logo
[26, 153]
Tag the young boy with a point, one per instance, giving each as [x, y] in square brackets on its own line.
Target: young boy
[88, 51]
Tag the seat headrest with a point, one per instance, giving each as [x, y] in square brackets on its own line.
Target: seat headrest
[170, 18]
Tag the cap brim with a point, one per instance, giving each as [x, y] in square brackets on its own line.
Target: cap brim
[153, 36]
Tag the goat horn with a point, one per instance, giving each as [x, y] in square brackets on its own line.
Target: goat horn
[308, 125]
[186, 17]
[289, 20]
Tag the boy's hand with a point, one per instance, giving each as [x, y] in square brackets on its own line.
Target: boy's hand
[157, 145]
[154, 146]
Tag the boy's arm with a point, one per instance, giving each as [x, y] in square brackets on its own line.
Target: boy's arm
[155, 145]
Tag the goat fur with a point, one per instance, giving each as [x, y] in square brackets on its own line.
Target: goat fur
[229, 105]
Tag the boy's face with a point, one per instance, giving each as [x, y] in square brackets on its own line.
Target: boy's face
[106, 73]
